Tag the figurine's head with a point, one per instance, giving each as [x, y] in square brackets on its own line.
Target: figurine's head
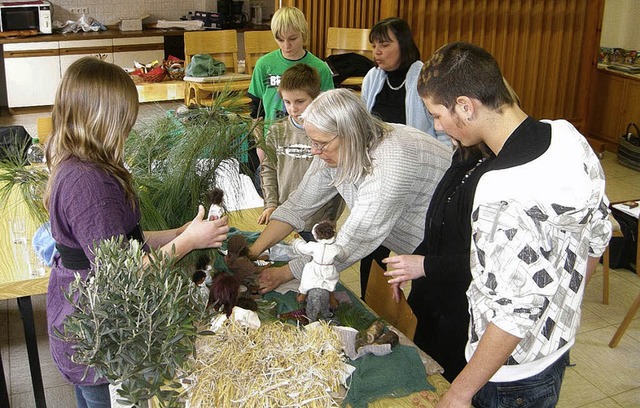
[199, 277]
[215, 196]
[324, 230]
[224, 292]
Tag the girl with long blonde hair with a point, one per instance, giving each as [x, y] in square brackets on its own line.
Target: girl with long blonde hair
[90, 197]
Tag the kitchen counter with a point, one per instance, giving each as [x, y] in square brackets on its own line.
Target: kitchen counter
[113, 32]
[92, 35]
[605, 67]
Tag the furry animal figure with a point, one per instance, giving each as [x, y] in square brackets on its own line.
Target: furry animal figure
[239, 264]
[225, 288]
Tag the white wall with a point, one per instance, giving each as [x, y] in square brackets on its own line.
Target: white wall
[620, 24]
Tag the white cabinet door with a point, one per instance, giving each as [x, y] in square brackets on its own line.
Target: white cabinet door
[71, 51]
[32, 73]
[141, 49]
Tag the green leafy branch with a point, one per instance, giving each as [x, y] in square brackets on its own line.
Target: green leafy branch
[134, 324]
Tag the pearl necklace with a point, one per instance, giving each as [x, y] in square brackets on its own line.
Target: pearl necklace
[398, 87]
[464, 179]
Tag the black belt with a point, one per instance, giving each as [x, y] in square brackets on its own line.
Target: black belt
[75, 259]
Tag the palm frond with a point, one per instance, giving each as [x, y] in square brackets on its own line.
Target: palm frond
[30, 182]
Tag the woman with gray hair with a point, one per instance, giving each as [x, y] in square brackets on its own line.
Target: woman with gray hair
[386, 173]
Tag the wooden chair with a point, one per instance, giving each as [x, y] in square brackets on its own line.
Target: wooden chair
[635, 306]
[44, 127]
[344, 40]
[257, 44]
[222, 46]
[379, 298]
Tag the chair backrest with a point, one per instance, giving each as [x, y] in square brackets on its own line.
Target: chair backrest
[221, 45]
[257, 44]
[342, 40]
[379, 298]
[44, 127]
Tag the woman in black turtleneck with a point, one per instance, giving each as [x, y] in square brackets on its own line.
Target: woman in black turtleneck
[390, 92]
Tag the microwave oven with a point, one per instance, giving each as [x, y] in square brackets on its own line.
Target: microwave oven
[26, 15]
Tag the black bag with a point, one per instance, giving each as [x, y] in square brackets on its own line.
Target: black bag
[629, 147]
[622, 250]
[14, 143]
[347, 65]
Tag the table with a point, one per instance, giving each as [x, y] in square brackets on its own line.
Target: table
[160, 91]
[246, 220]
[17, 284]
[635, 213]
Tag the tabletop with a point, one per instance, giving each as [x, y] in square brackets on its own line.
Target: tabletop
[15, 279]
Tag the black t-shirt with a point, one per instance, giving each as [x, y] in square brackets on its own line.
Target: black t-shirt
[389, 105]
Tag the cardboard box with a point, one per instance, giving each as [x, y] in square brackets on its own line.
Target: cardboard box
[131, 24]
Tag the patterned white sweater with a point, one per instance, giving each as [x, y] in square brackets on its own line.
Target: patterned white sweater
[386, 207]
[539, 212]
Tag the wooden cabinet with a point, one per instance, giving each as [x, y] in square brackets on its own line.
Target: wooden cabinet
[32, 72]
[615, 102]
[71, 51]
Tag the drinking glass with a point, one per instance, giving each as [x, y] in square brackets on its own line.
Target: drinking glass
[24, 255]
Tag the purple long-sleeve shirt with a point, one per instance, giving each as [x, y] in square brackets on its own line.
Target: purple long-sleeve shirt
[86, 205]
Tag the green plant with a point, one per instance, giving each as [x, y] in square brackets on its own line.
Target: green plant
[30, 182]
[174, 160]
[135, 324]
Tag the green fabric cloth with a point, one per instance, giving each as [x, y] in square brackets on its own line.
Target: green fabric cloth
[397, 374]
[287, 302]
[203, 65]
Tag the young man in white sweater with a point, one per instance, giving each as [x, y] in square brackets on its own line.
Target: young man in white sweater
[539, 226]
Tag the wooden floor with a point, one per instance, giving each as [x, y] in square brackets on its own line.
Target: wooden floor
[601, 377]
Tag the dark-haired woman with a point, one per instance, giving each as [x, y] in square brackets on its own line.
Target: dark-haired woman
[390, 91]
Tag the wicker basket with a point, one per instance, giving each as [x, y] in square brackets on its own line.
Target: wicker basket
[158, 77]
[175, 69]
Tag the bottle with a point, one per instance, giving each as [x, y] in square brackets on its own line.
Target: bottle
[35, 154]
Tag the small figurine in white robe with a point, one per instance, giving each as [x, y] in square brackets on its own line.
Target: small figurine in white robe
[319, 276]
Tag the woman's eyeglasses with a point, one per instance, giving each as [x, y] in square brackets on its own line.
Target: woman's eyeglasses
[321, 146]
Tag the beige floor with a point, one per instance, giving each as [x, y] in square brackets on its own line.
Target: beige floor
[601, 376]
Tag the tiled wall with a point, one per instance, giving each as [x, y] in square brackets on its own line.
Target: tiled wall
[108, 12]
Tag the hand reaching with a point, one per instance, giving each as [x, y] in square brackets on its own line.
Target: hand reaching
[266, 215]
[271, 278]
[403, 268]
[201, 233]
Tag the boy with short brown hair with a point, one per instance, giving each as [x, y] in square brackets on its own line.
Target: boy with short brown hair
[288, 150]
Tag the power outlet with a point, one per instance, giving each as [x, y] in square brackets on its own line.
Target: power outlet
[79, 10]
